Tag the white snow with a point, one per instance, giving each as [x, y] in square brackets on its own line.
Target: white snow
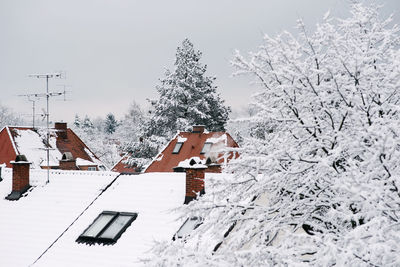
[84, 162]
[94, 159]
[151, 196]
[223, 138]
[28, 226]
[200, 163]
[160, 157]
[30, 144]
[181, 139]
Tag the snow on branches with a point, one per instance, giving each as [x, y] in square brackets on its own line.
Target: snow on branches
[321, 185]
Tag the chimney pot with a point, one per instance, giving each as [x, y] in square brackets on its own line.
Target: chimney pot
[67, 162]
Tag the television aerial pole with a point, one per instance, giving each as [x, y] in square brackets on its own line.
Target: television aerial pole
[47, 95]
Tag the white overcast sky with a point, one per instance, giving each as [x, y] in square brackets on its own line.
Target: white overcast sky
[115, 51]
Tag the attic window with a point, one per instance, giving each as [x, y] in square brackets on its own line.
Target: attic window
[177, 148]
[188, 226]
[107, 228]
[206, 148]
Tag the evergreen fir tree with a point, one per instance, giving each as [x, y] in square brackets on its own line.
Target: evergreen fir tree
[77, 121]
[87, 125]
[187, 96]
[111, 124]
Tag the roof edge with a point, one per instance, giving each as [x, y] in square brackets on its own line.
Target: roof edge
[12, 140]
[161, 151]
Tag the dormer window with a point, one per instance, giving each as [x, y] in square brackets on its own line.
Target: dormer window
[177, 148]
[206, 148]
[107, 228]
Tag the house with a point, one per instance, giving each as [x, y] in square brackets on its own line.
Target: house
[66, 150]
[84, 218]
[122, 167]
[197, 143]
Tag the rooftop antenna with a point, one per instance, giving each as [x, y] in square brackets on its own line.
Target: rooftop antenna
[32, 99]
[47, 95]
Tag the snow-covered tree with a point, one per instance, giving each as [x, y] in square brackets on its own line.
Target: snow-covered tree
[131, 132]
[87, 125]
[129, 129]
[77, 121]
[110, 124]
[187, 97]
[319, 181]
[7, 117]
[104, 145]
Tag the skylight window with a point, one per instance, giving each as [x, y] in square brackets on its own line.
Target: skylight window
[206, 148]
[177, 148]
[107, 228]
[188, 226]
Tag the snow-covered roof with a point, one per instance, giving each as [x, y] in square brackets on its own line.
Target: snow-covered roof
[30, 144]
[28, 226]
[62, 209]
[217, 139]
[151, 196]
[84, 162]
[192, 146]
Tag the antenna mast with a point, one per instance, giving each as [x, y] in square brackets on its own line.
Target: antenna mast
[47, 76]
[33, 107]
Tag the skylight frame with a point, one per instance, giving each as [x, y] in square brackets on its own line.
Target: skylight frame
[175, 150]
[206, 144]
[199, 221]
[97, 239]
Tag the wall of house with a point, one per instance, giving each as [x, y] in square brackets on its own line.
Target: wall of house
[7, 152]
[68, 165]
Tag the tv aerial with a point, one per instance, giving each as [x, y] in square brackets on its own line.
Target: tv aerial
[46, 113]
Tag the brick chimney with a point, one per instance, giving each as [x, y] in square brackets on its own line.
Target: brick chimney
[67, 162]
[198, 129]
[194, 179]
[20, 177]
[61, 128]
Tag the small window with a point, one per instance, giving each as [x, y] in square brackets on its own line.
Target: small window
[177, 148]
[206, 148]
[107, 228]
[188, 226]
[92, 169]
